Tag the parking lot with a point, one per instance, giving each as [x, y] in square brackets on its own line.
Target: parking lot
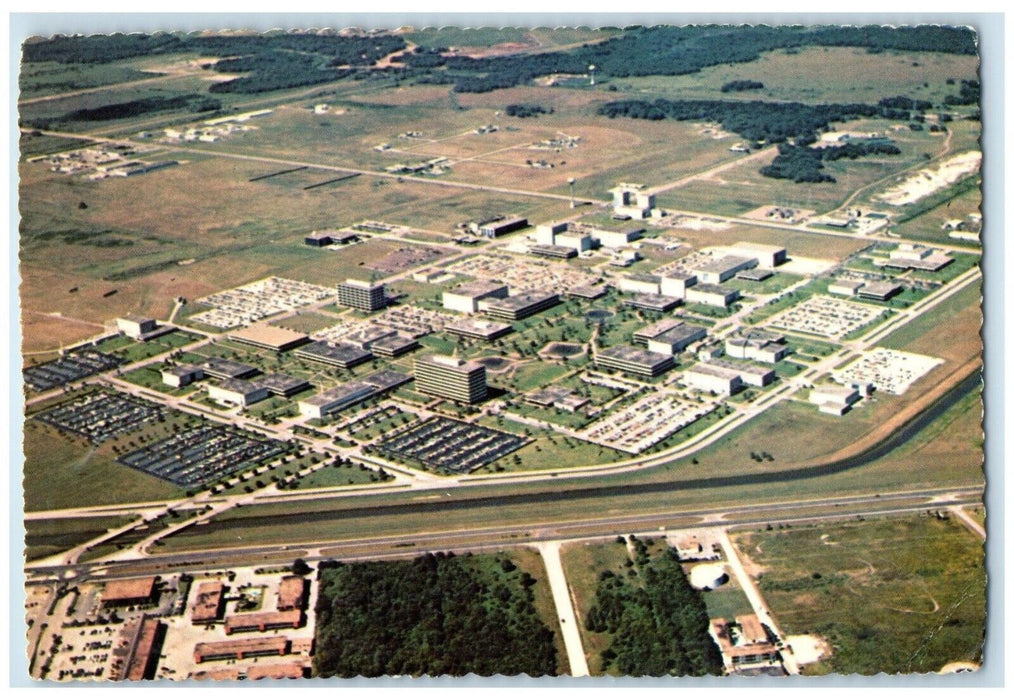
[446, 445]
[73, 366]
[243, 305]
[523, 275]
[825, 316]
[201, 455]
[892, 371]
[101, 415]
[649, 420]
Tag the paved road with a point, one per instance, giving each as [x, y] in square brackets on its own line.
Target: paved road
[564, 608]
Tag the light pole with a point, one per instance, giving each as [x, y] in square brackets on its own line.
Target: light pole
[571, 181]
[591, 71]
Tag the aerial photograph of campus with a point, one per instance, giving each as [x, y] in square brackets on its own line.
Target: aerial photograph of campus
[618, 351]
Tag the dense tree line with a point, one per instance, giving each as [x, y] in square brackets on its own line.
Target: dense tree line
[805, 164]
[659, 625]
[437, 614]
[968, 94]
[274, 70]
[99, 48]
[525, 110]
[124, 110]
[742, 85]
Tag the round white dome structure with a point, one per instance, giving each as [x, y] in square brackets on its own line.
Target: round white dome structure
[708, 576]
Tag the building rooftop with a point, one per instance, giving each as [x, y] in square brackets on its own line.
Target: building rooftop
[362, 284]
[451, 362]
[678, 333]
[240, 386]
[291, 592]
[263, 334]
[724, 263]
[658, 327]
[386, 379]
[280, 383]
[339, 352]
[520, 301]
[476, 288]
[644, 277]
[182, 370]
[477, 325]
[129, 589]
[340, 393]
[629, 353]
[714, 370]
[227, 368]
[713, 289]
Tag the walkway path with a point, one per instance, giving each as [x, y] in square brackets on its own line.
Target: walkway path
[968, 521]
[564, 608]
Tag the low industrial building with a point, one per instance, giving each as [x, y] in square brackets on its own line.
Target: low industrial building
[557, 397]
[759, 345]
[643, 335]
[617, 238]
[768, 256]
[264, 621]
[292, 593]
[545, 234]
[845, 288]
[640, 284]
[558, 252]
[676, 339]
[589, 291]
[394, 345]
[915, 256]
[724, 268]
[240, 649]
[478, 329]
[280, 384]
[632, 360]
[675, 284]
[711, 377]
[652, 302]
[143, 639]
[237, 392]
[334, 400]
[834, 399]
[209, 603]
[219, 368]
[502, 226]
[632, 200]
[136, 327]
[580, 242]
[322, 239]
[519, 306]
[182, 375]
[880, 291]
[712, 295]
[268, 337]
[450, 378]
[125, 592]
[757, 274]
[362, 296]
[340, 355]
[466, 297]
[751, 374]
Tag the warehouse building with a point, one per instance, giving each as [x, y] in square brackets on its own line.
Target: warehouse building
[558, 252]
[466, 297]
[322, 239]
[631, 360]
[220, 368]
[710, 377]
[751, 374]
[712, 295]
[240, 649]
[237, 392]
[125, 592]
[768, 256]
[845, 288]
[267, 337]
[138, 327]
[676, 339]
[674, 284]
[762, 346]
[334, 400]
[519, 306]
[340, 355]
[642, 336]
[581, 242]
[724, 268]
[478, 329]
[280, 384]
[143, 639]
[362, 296]
[589, 291]
[652, 302]
[617, 238]
[450, 378]
[502, 226]
[182, 375]
[640, 284]
[880, 291]
[834, 399]
[915, 256]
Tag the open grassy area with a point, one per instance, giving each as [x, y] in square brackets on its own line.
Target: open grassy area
[902, 595]
[46, 537]
[956, 340]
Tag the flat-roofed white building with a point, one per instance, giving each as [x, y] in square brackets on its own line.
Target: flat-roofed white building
[845, 288]
[466, 297]
[675, 284]
[334, 400]
[580, 242]
[767, 255]
[721, 269]
[182, 375]
[545, 234]
[640, 284]
[834, 399]
[709, 377]
[237, 392]
[136, 327]
[712, 295]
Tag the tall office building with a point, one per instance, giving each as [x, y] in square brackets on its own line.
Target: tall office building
[450, 378]
[362, 296]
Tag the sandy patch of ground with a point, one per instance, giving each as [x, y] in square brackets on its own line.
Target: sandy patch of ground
[808, 648]
[930, 180]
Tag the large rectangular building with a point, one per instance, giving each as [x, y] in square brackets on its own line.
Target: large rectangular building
[708, 377]
[478, 329]
[220, 368]
[631, 360]
[721, 269]
[182, 375]
[334, 400]
[768, 256]
[267, 337]
[652, 302]
[362, 296]
[758, 345]
[466, 297]
[674, 284]
[237, 392]
[676, 339]
[640, 284]
[341, 355]
[519, 306]
[712, 295]
[500, 227]
[450, 378]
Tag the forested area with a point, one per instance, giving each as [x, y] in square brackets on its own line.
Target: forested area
[805, 164]
[123, 110]
[658, 621]
[434, 615]
[639, 51]
[525, 110]
[742, 85]
[770, 122]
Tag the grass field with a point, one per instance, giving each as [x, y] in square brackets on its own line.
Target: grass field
[46, 537]
[900, 595]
